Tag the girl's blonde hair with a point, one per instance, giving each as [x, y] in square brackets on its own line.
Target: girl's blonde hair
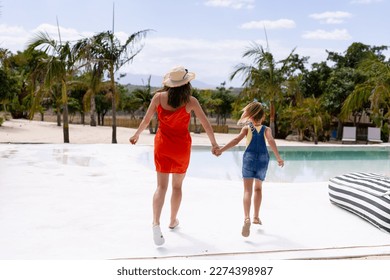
[253, 111]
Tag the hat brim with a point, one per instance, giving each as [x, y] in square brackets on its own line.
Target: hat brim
[170, 83]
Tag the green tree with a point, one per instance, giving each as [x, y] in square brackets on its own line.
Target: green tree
[309, 115]
[15, 70]
[61, 66]
[372, 94]
[344, 79]
[93, 76]
[314, 81]
[143, 97]
[34, 70]
[9, 86]
[264, 79]
[339, 86]
[222, 103]
[103, 102]
[355, 54]
[77, 100]
[106, 48]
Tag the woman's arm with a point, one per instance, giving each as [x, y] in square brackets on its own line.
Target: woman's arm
[146, 120]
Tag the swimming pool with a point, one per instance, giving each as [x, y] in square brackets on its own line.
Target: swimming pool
[302, 164]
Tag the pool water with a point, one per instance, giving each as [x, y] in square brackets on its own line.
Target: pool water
[302, 164]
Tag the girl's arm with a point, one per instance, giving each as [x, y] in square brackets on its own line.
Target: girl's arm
[146, 120]
[235, 140]
[272, 144]
[195, 106]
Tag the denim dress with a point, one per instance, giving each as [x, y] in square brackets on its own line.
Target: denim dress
[256, 158]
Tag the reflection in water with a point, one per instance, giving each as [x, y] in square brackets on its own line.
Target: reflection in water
[8, 153]
[64, 156]
[302, 164]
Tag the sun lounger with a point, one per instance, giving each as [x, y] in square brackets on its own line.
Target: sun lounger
[349, 134]
[364, 194]
[374, 135]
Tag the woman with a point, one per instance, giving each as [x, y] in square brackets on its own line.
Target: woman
[172, 143]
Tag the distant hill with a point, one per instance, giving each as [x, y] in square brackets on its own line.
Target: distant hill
[155, 81]
[139, 81]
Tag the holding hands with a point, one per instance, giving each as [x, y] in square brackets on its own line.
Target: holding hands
[215, 148]
[217, 151]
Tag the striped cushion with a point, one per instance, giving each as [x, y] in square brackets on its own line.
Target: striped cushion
[365, 194]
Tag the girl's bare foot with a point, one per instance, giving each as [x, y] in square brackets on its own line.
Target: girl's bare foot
[246, 227]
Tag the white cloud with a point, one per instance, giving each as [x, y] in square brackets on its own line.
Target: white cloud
[12, 38]
[212, 61]
[337, 34]
[5, 29]
[331, 17]
[67, 34]
[268, 24]
[365, 1]
[234, 4]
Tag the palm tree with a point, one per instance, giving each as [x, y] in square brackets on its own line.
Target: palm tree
[223, 104]
[35, 76]
[93, 80]
[93, 77]
[310, 115]
[263, 78]
[5, 59]
[60, 66]
[315, 116]
[107, 48]
[374, 90]
[144, 97]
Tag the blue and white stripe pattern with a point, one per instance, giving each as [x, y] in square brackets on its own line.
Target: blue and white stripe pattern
[365, 194]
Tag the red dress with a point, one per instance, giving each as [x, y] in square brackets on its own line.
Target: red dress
[172, 144]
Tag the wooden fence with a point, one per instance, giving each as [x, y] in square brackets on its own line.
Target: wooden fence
[134, 123]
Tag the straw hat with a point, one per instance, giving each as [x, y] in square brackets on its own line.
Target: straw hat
[177, 77]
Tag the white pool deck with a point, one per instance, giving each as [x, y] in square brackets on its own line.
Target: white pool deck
[93, 202]
[61, 201]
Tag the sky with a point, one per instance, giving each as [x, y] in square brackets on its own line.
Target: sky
[208, 37]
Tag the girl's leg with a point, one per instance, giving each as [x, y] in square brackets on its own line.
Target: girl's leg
[248, 182]
[257, 198]
[247, 206]
[159, 196]
[177, 182]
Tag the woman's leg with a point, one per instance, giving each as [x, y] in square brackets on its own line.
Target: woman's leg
[177, 183]
[159, 196]
[257, 198]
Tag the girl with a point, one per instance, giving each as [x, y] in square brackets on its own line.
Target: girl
[255, 159]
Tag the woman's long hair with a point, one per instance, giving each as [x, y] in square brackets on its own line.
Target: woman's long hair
[178, 96]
